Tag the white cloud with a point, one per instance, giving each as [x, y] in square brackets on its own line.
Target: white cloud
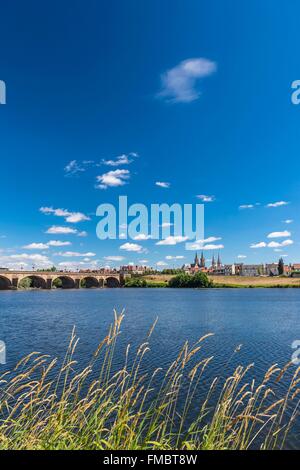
[161, 263]
[73, 167]
[258, 245]
[212, 247]
[70, 217]
[206, 198]
[169, 257]
[279, 244]
[179, 83]
[166, 224]
[75, 264]
[200, 244]
[113, 179]
[36, 246]
[163, 184]
[132, 247]
[142, 236]
[82, 234]
[277, 204]
[242, 256]
[172, 240]
[114, 258]
[246, 206]
[124, 159]
[17, 261]
[288, 221]
[58, 243]
[75, 254]
[209, 240]
[272, 244]
[61, 230]
[76, 217]
[283, 234]
[143, 261]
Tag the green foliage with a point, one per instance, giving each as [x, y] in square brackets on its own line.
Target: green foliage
[151, 283]
[171, 271]
[135, 282]
[26, 283]
[280, 267]
[57, 283]
[47, 270]
[190, 280]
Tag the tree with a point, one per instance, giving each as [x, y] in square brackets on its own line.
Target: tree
[57, 283]
[26, 283]
[47, 270]
[135, 282]
[172, 271]
[280, 267]
[192, 281]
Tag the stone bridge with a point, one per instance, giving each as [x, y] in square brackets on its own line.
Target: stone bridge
[65, 280]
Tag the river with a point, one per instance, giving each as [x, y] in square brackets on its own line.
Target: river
[264, 321]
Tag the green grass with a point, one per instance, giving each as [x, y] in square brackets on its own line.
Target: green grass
[140, 282]
[44, 409]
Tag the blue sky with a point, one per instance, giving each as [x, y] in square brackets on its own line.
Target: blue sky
[196, 94]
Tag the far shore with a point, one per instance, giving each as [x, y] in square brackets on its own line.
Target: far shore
[237, 281]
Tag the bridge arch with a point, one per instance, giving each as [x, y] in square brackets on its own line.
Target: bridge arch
[32, 282]
[5, 283]
[89, 282]
[63, 282]
[112, 282]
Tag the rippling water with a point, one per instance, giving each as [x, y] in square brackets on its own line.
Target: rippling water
[265, 321]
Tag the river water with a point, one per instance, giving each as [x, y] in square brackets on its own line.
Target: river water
[264, 321]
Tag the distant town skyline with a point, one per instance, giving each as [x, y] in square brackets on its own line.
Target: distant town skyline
[169, 113]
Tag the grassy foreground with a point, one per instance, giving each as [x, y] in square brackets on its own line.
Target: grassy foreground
[40, 409]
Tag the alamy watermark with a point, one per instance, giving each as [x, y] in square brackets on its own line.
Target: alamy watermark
[2, 352]
[296, 354]
[295, 97]
[175, 223]
[2, 92]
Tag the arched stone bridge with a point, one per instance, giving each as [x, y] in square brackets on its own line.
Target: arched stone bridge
[65, 280]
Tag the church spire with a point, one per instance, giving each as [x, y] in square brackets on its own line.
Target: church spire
[202, 260]
[219, 263]
[213, 263]
[196, 262]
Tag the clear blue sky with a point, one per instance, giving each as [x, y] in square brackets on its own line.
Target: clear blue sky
[91, 80]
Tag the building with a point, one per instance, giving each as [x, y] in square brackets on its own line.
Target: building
[271, 269]
[217, 267]
[131, 269]
[229, 270]
[251, 269]
[287, 269]
[198, 264]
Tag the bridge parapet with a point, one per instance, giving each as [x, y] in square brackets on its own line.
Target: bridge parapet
[48, 280]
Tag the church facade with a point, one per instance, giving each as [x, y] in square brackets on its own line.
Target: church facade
[199, 264]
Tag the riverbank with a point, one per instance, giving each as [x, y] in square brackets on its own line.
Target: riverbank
[234, 281]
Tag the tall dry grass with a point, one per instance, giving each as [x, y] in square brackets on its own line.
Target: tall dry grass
[44, 409]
